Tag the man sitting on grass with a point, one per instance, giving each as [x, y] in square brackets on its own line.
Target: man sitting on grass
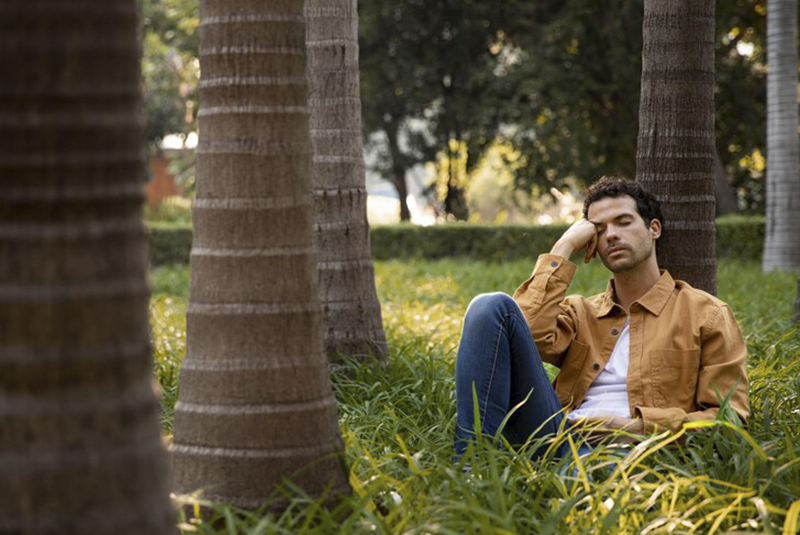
[647, 355]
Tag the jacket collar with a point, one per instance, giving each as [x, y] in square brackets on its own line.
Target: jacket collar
[654, 300]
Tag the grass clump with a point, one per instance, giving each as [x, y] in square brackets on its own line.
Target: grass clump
[397, 424]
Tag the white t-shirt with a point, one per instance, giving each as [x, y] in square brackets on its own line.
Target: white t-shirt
[608, 393]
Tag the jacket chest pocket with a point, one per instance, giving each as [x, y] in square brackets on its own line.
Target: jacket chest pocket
[675, 377]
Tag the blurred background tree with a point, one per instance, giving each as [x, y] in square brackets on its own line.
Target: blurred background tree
[170, 67]
[577, 93]
[558, 80]
[430, 88]
[170, 73]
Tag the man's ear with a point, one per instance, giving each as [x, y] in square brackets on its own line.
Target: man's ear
[655, 228]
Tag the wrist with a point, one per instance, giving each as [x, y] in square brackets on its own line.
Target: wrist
[562, 249]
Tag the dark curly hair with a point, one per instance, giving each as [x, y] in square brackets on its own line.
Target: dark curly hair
[646, 203]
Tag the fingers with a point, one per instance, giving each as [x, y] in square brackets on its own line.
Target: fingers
[582, 234]
[591, 249]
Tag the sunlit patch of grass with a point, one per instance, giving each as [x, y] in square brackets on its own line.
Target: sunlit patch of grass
[426, 300]
[397, 422]
[171, 280]
[168, 327]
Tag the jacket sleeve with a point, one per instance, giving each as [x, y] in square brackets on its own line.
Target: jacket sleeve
[551, 319]
[722, 370]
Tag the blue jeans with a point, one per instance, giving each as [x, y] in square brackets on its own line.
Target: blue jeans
[498, 355]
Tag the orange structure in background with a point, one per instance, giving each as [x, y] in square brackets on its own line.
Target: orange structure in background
[161, 183]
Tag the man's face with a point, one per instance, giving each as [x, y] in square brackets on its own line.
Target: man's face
[624, 240]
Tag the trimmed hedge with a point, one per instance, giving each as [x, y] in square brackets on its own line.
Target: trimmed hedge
[741, 237]
[737, 237]
[484, 242]
[169, 243]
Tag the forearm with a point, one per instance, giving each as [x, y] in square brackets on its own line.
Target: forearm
[562, 249]
[541, 300]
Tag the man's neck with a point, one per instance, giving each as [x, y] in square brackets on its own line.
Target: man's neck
[631, 285]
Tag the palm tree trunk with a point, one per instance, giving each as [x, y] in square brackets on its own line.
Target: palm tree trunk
[80, 443]
[256, 403]
[351, 311]
[675, 156]
[782, 243]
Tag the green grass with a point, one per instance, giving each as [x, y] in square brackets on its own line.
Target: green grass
[397, 427]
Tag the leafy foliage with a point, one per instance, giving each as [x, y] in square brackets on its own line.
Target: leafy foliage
[578, 79]
[170, 68]
[559, 79]
[397, 426]
[428, 85]
[741, 97]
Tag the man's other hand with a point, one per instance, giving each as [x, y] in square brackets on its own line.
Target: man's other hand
[599, 428]
[581, 234]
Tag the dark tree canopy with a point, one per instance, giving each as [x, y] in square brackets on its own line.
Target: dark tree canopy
[559, 79]
[430, 81]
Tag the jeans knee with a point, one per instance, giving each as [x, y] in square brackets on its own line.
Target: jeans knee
[488, 306]
[490, 302]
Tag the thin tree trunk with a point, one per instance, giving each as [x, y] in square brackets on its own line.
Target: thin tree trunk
[256, 403]
[782, 243]
[455, 202]
[675, 156]
[351, 311]
[80, 441]
[724, 193]
[402, 192]
[398, 169]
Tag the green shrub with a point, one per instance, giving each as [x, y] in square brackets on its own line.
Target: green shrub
[480, 242]
[175, 209]
[737, 237]
[740, 237]
[169, 243]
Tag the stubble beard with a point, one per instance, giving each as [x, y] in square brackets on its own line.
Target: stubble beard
[629, 263]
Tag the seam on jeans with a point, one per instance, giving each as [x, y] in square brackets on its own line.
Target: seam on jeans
[556, 406]
[491, 375]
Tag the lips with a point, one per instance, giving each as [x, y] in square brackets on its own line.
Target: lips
[615, 250]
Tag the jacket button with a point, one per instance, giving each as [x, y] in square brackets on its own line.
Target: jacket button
[596, 366]
[553, 264]
[614, 332]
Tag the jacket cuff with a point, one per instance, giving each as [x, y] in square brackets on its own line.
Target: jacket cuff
[655, 420]
[532, 292]
[553, 264]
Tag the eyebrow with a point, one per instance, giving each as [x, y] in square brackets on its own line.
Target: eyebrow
[617, 218]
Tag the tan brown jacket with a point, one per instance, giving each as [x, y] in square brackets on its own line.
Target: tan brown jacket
[686, 348]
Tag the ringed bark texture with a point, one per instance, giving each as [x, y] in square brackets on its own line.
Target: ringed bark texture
[80, 445]
[256, 403]
[351, 311]
[675, 155]
[782, 243]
